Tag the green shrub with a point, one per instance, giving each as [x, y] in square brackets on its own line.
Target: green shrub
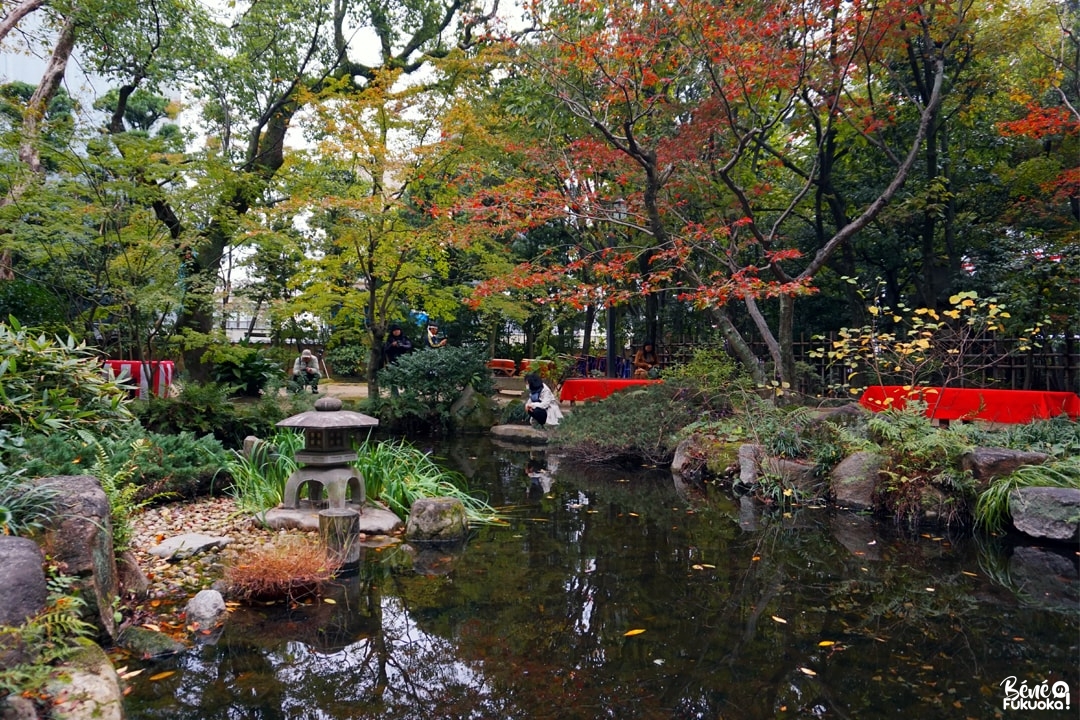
[49, 384]
[714, 377]
[425, 384]
[32, 305]
[247, 369]
[637, 425]
[921, 457]
[204, 409]
[348, 360]
[180, 465]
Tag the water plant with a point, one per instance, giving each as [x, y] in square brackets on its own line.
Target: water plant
[992, 508]
[398, 474]
[259, 474]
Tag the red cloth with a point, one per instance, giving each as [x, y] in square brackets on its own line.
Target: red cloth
[147, 376]
[576, 389]
[506, 368]
[999, 406]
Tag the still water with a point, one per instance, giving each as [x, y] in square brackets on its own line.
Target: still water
[620, 594]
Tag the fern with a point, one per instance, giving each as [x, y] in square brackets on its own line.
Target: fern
[120, 489]
[49, 637]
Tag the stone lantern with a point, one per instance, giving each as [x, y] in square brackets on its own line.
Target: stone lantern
[329, 436]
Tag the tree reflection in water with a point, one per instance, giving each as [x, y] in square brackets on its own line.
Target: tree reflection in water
[745, 614]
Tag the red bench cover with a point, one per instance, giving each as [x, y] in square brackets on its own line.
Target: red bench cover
[1000, 406]
[576, 389]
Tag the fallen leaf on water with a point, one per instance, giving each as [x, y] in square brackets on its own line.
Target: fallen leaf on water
[807, 671]
[631, 633]
[826, 643]
[162, 675]
[697, 567]
[1018, 639]
[633, 515]
[755, 558]
[779, 619]
[330, 601]
[659, 661]
[969, 574]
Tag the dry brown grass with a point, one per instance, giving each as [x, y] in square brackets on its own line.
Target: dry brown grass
[286, 569]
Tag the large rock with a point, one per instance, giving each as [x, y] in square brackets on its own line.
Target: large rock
[520, 434]
[1045, 577]
[23, 590]
[473, 412]
[437, 520]
[690, 458]
[793, 473]
[750, 463]
[79, 540]
[854, 480]
[147, 644]
[206, 610]
[1052, 513]
[987, 463]
[87, 688]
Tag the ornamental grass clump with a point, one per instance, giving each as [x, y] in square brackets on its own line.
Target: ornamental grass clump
[398, 474]
[289, 569]
[259, 475]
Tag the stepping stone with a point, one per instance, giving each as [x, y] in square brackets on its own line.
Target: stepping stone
[184, 546]
[523, 434]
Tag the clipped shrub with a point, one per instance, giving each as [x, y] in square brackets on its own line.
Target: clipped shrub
[349, 360]
[290, 569]
[248, 370]
[425, 384]
[203, 409]
[637, 425]
[178, 465]
[49, 384]
[714, 378]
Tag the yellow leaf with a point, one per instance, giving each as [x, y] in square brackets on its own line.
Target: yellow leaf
[162, 675]
[872, 310]
[780, 620]
[807, 671]
[330, 601]
[631, 633]
[697, 567]
[826, 643]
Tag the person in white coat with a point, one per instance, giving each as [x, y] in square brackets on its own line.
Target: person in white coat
[542, 405]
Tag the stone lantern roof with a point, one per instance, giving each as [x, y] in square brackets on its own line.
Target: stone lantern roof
[329, 432]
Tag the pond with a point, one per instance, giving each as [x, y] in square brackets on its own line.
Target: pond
[620, 594]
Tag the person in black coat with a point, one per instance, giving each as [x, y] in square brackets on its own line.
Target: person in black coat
[396, 345]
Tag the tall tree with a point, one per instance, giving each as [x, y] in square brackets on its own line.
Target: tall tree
[722, 115]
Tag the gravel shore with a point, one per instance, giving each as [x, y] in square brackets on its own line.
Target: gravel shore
[176, 580]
